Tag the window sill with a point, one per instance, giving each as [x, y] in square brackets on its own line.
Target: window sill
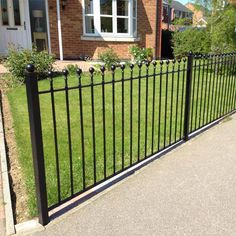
[110, 39]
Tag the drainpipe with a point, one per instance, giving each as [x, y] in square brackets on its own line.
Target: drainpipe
[59, 30]
[157, 26]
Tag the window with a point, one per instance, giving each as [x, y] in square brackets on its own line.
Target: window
[4, 11]
[111, 18]
[10, 14]
[16, 9]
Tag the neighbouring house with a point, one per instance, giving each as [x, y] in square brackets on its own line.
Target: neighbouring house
[174, 10]
[180, 11]
[199, 14]
[72, 29]
[166, 11]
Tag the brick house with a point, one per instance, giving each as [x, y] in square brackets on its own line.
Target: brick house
[76, 28]
[174, 10]
[199, 14]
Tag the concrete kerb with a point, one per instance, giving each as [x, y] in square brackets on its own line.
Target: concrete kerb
[10, 227]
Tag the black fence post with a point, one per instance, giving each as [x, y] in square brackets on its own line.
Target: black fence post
[188, 95]
[37, 143]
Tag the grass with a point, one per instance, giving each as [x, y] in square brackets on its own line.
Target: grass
[172, 126]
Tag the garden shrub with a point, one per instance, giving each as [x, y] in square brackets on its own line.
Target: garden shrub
[192, 39]
[109, 57]
[141, 54]
[72, 68]
[18, 59]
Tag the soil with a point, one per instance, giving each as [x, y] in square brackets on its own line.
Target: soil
[18, 188]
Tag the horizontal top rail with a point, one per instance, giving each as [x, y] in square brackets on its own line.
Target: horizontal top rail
[110, 82]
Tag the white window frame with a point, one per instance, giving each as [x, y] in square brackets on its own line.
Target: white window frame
[97, 21]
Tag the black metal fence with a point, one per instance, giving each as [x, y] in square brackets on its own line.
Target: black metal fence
[102, 123]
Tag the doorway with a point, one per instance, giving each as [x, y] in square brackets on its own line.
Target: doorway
[14, 25]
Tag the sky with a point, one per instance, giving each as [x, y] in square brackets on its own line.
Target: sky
[183, 1]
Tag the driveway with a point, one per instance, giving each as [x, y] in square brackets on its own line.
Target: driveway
[189, 191]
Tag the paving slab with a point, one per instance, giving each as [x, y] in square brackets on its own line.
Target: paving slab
[189, 191]
[3, 69]
[84, 65]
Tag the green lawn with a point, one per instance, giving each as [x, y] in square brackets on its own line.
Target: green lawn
[173, 124]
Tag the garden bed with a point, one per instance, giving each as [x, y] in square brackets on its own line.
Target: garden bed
[17, 182]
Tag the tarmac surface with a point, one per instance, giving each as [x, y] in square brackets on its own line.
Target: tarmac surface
[189, 191]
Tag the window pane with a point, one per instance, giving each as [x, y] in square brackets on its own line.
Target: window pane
[135, 27]
[122, 25]
[88, 6]
[134, 8]
[106, 7]
[89, 24]
[16, 8]
[5, 20]
[122, 7]
[106, 24]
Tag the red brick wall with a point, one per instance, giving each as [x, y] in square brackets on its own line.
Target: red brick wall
[72, 30]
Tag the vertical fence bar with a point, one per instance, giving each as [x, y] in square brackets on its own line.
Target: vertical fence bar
[197, 94]
[82, 124]
[217, 87]
[205, 92]
[139, 106]
[104, 122]
[171, 100]
[166, 99]
[221, 81]
[232, 85]
[50, 75]
[209, 89]
[193, 95]
[177, 101]
[234, 82]
[131, 113]
[93, 129]
[113, 68]
[123, 116]
[201, 90]
[182, 100]
[65, 73]
[227, 83]
[146, 111]
[37, 143]
[213, 89]
[159, 117]
[188, 96]
[153, 103]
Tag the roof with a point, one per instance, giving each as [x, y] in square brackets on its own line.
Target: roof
[165, 2]
[197, 7]
[179, 7]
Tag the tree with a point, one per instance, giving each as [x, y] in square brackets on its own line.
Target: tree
[222, 26]
[218, 37]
